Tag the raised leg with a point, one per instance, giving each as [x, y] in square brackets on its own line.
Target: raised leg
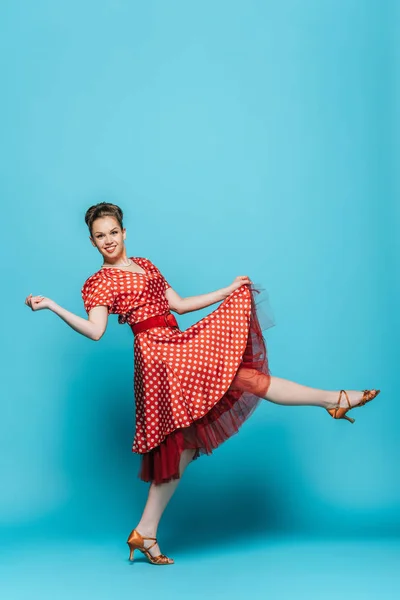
[289, 393]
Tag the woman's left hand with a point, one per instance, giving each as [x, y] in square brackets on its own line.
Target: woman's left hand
[238, 282]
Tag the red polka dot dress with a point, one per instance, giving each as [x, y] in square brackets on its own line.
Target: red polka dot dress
[193, 388]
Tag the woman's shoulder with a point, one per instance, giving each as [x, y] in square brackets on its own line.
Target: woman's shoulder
[140, 258]
[93, 279]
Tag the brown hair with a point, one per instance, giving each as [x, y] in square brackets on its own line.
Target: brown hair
[103, 209]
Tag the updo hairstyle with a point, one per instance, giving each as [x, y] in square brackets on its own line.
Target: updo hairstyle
[103, 209]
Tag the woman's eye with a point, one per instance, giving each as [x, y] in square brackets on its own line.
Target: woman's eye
[100, 236]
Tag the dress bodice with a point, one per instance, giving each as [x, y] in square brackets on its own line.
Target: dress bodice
[133, 296]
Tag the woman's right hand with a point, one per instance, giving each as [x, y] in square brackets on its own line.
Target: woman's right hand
[93, 327]
[37, 302]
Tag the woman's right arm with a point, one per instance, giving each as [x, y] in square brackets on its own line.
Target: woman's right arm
[93, 327]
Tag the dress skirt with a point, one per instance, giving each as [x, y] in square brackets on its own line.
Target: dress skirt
[248, 386]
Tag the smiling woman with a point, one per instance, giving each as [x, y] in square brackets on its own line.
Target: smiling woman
[195, 388]
[107, 233]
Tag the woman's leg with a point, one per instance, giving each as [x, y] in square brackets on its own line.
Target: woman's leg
[157, 500]
[289, 393]
[283, 391]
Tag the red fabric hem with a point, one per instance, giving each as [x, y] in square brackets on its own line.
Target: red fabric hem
[249, 386]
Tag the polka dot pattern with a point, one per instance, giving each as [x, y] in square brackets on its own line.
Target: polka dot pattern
[133, 296]
[179, 375]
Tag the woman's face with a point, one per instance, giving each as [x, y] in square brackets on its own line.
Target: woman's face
[108, 237]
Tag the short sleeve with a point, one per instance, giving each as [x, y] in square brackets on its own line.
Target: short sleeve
[166, 282]
[97, 292]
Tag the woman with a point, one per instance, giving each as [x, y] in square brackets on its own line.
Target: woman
[193, 388]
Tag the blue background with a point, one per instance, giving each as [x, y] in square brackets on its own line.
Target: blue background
[242, 137]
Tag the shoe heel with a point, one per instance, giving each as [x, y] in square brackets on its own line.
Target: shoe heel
[348, 418]
[131, 552]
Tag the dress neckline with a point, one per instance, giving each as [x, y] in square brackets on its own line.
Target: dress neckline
[133, 259]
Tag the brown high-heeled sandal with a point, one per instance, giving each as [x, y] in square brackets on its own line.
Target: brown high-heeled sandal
[339, 412]
[135, 542]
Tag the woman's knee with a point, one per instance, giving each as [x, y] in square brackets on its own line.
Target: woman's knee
[189, 454]
[252, 381]
[186, 457]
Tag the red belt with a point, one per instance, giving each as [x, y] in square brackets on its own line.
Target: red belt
[167, 320]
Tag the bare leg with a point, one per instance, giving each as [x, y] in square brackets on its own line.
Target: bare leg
[289, 393]
[157, 500]
[283, 391]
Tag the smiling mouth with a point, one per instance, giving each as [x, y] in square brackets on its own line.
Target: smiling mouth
[110, 249]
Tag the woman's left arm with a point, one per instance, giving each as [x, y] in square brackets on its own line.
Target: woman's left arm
[185, 305]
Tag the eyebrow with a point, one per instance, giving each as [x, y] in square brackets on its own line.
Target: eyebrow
[96, 232]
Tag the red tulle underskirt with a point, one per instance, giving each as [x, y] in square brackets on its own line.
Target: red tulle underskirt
[249, 386]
